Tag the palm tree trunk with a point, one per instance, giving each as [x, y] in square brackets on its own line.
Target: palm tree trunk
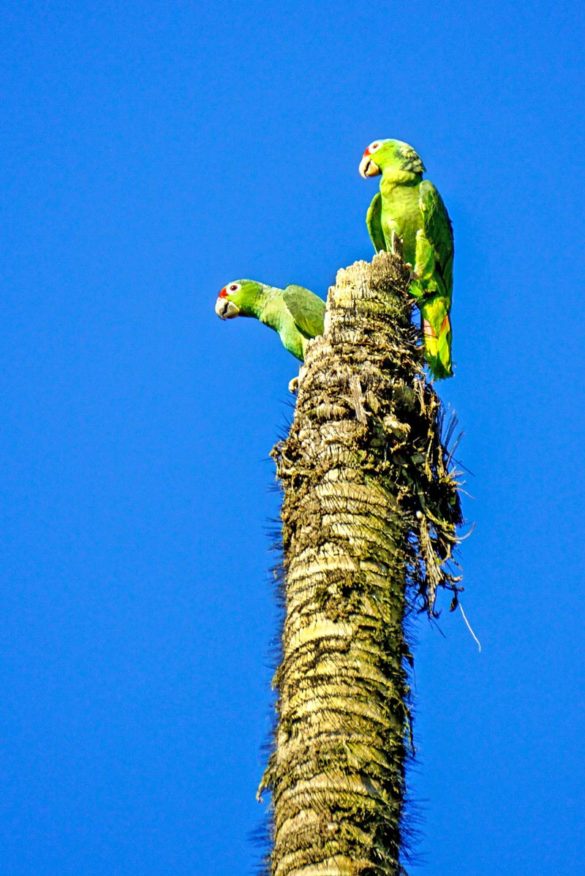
[369, 515]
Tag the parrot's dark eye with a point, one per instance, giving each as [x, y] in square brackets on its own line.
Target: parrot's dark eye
[373, 147]
[234, 287]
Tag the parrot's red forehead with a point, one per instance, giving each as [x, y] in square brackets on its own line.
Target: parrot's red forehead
[373, 147]
[229, 290]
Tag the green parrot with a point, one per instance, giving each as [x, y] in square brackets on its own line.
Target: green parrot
[295, 313]
[410, 208]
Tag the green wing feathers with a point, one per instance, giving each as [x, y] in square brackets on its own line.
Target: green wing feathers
[434, 283]
[436, 259]
[307, 310]
[374, 223]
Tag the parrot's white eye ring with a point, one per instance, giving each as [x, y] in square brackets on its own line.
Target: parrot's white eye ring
[233, 287]
[373, 147]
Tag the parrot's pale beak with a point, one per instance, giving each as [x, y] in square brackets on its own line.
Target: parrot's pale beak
[368, 167]
[226, 309]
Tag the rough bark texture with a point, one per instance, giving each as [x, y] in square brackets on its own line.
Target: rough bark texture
[369, 516]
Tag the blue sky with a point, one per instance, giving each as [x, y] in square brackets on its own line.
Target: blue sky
[151, 153]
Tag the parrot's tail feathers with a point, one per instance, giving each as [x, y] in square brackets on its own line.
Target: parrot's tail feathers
[428, 330]
[438, 347]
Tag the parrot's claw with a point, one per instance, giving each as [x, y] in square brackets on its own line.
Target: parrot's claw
[293, 385]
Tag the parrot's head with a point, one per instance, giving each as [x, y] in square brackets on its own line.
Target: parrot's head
[237, 299]
[389, 155]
